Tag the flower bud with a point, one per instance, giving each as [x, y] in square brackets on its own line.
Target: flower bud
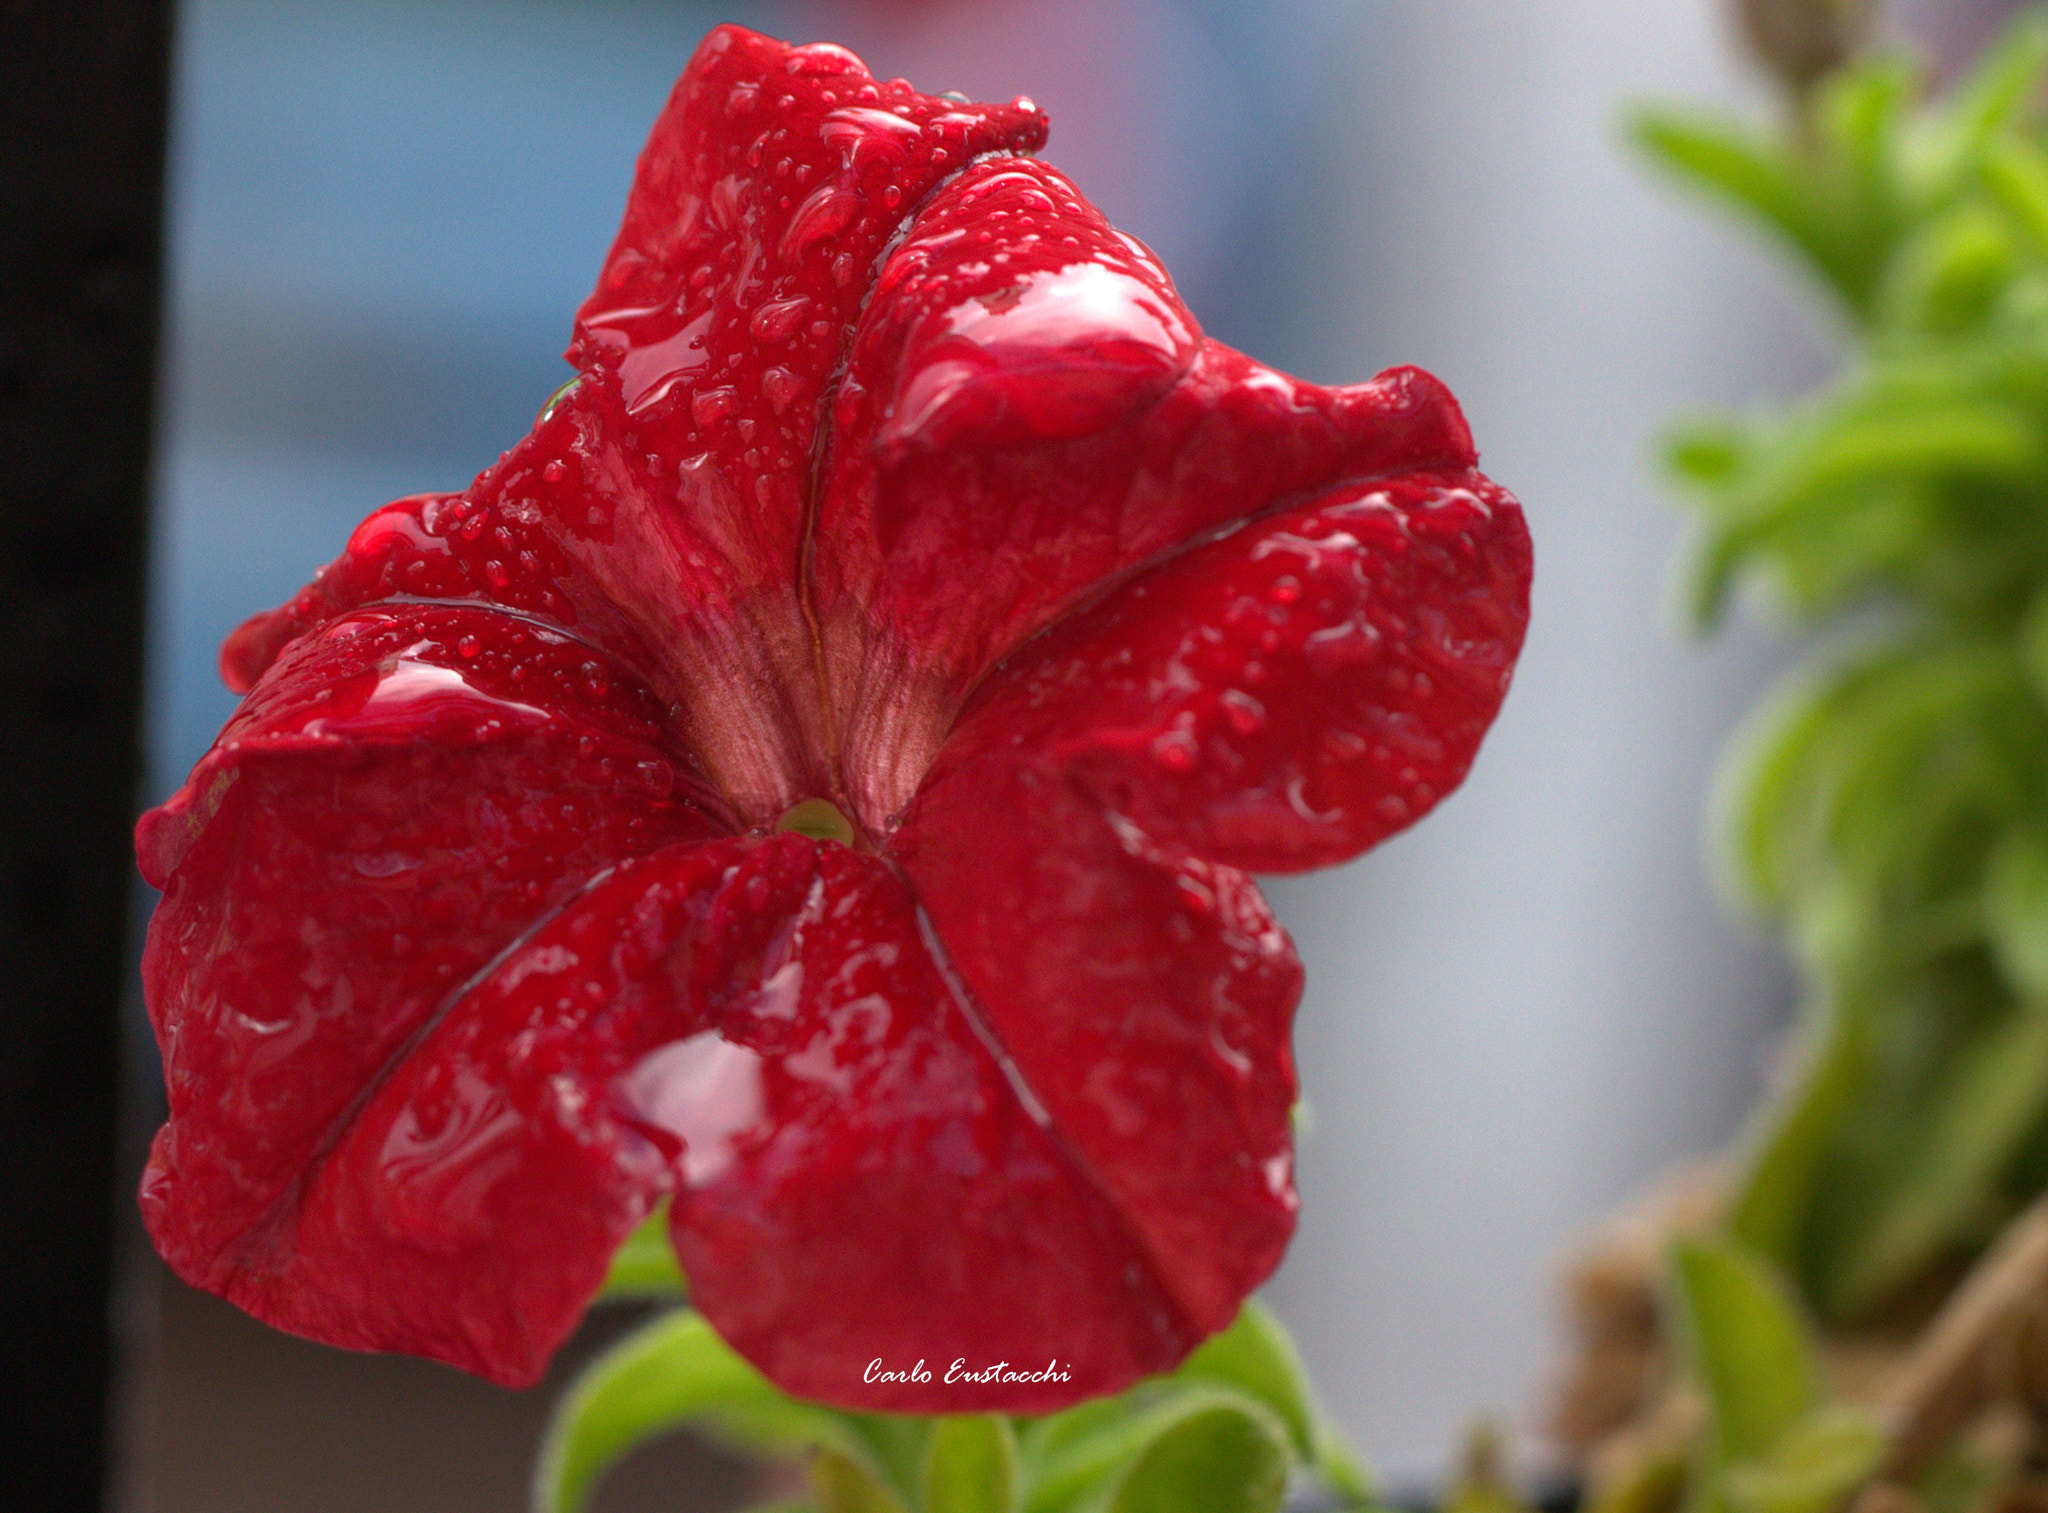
[1800, 40]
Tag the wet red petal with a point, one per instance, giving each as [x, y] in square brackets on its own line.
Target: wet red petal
[758, 1025]
[467, 1201]
[1030, 410]
[892, 1199]
[404, 792]
[1143, 995]
[1291, 693]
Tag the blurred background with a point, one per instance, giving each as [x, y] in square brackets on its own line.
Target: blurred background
[383, 213]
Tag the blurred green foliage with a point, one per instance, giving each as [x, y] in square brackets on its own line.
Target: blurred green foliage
[1888, 809]
[1226, 1433]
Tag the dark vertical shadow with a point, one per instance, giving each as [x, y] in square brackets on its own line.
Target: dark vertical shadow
[82, 118]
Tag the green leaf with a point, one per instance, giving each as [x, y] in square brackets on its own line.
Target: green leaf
[1959, 1481]
[1768, 777]
[1836, 500]
[1707, 451]
[1988, 97]
[1255, 1356]
[1949, 276]
[1812, 1468]
[1072, 1458]
[1218, 1458]
[2015, 170]
[1655, 1482]
[2032, 644]
[672, 1372]
[2016, 910]
[843, 1485]
[1989, 1096]
[645, 1265]
[1746, 1345]
[1342, 1472]
[1794, 1133]
[1755, 174]
[970, 1466]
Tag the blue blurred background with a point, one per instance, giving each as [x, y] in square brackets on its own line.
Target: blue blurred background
[384, 212]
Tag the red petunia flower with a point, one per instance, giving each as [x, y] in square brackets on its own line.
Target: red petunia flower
[812, 777]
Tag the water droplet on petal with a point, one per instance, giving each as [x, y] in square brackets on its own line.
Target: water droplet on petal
[775, 320]
[555, 399]
[468, 646]
[709, 406]
[555, 471]
[780, 385]
[824, 213]
[823, 59]
[1175, 750]
[1246, 714]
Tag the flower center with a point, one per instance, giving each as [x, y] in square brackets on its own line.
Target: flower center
[819, 819]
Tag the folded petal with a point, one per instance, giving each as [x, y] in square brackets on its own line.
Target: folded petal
[467, 1201]
[1277, 697]
[1029, 411]
[405, 792]
[1143, 997]
[757, 1026]
[1288, 694]
[880, 1188]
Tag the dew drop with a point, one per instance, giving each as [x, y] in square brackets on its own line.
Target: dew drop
[823, 59]
[468, 646]
[555, 471]
[1247, 716]
[777, 318]
[708, 406]
[497, 573]
[780, 385]
[555, 399]
[1175, 751]
[825, 212]
[596, 679]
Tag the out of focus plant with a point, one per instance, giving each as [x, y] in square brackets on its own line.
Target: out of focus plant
[1228, 1432]
[1888, 808]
